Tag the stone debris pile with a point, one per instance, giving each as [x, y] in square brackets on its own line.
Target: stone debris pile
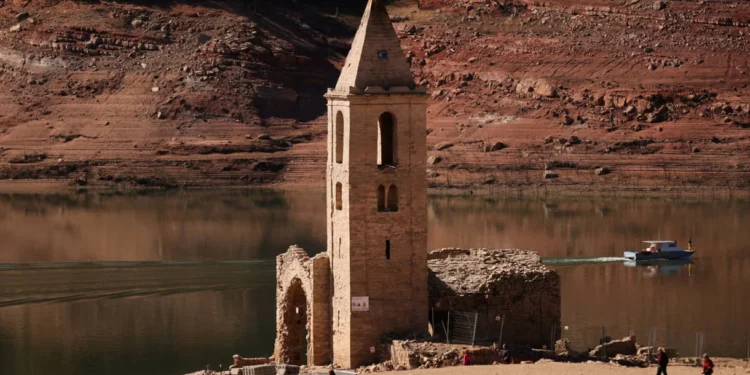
[412, 354]
[471, 271]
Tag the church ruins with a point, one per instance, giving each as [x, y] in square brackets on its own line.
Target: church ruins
[372, 281]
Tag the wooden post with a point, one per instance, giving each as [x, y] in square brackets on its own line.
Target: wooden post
[434, 329]
[502, 326]
[448, 334]
[474, 335]
[447, 339]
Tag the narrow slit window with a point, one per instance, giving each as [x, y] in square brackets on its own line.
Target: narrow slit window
[339, 137]
[392, 198]
[387, 249]
[386, 140]
[381, 198]
[339, 198]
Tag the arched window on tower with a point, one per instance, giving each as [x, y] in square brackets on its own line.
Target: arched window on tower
[381, 198]
[392, 198]
[339, 130]
[387, 140]
[339, 198]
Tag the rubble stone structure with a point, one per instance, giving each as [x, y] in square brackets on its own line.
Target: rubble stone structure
[373, 278]
[302, 308]
[496, 283]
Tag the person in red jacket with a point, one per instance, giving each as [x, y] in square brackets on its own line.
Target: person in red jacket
[466, 359]
[708, 365]
[662, 361]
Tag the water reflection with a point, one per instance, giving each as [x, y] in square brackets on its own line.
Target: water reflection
[158, 226]
[165, 282]
[662, 267]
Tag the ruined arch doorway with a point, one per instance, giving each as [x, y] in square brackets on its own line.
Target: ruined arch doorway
[295, 326]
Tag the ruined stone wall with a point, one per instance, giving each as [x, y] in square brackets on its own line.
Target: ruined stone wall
[302, 283]
[494, 283]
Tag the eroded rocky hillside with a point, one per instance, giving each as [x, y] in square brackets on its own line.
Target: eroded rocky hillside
[586, 93]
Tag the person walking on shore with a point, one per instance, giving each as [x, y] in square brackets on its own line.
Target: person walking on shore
[466, 359]
[662, 360]
[708, 365]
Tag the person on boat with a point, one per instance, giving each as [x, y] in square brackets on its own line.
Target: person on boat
[466, 359]
[708, 365]
[662, 360]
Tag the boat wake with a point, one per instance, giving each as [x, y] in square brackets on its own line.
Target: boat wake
[580, 260]
[25, 284]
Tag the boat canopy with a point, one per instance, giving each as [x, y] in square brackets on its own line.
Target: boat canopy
[657, 242]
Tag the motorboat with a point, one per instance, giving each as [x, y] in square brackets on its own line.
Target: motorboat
[667, 250]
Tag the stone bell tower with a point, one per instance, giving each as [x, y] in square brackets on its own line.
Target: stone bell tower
[376, 194]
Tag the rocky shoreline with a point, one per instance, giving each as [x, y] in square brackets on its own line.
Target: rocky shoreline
[424, 355]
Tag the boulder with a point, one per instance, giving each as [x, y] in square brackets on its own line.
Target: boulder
[432, 160]
[629, 361]
[562, 347]
[443, 146]
[659, 5]
[240, 361]
[539, 87]
[611, 349]
[497, 146]
[659, 115]
[602, 171]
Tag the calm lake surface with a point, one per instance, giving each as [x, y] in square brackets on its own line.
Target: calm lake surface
[168, 282]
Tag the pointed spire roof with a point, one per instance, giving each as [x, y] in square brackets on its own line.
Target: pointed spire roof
[376, 58]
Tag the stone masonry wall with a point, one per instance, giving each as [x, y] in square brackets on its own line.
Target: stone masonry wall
[296, 270]
[494, 283]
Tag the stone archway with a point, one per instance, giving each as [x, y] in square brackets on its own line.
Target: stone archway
[295, 326]
[303, 303]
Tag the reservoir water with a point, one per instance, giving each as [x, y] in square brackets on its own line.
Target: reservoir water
[169, 282]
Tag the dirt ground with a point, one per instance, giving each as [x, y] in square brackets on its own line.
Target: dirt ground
[564, 369]
[573, 94]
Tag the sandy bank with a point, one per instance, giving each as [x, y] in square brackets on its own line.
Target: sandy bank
[566, 369]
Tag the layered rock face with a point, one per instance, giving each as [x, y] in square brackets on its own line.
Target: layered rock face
[225, 93]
